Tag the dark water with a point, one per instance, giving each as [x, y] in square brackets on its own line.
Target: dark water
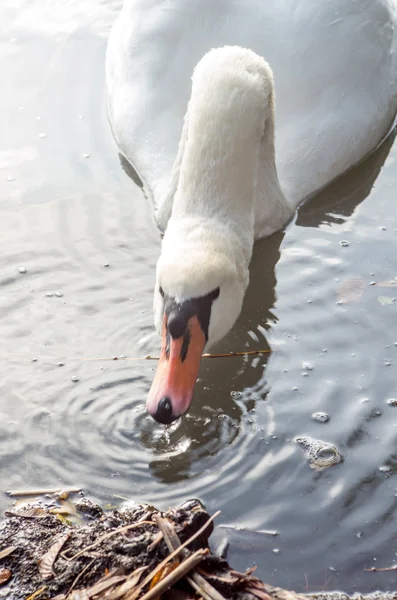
[84, 233]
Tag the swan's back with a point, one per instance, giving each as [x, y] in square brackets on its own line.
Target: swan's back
[334, 66]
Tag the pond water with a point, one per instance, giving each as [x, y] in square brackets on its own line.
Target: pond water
[78, 247]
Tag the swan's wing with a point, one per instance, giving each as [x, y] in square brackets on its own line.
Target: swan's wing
[334, 66]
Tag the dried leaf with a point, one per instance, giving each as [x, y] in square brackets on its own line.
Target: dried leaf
[65, 521]
[130, 584]
[5, 575]
[63, 495]
[7, 551]
[385, 300]
[166, 570]
[29, 513]
[46, 563]
[351, 290]
[100, 587]
[60, 511]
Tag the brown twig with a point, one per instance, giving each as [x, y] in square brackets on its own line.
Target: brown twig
[195, 579]
[175, 575]
[41, 492]
[79, 576]
[37, 593]
[199, 588]
[175, 553]
[231, 354]
[133, 358]
[105, 537]
[377, 569]
[7, 551]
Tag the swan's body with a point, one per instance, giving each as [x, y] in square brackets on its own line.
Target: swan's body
[334, 66]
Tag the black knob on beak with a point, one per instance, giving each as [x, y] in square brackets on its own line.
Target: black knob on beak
[164, 412]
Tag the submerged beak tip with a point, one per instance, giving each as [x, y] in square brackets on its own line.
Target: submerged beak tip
[164, 413]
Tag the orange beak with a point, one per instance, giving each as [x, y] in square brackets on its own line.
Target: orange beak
[172, 389]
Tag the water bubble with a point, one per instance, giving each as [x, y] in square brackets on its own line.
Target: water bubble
[384, 469]
[320, 417]
[276, 550]
[86, 155]
[43, 135]
[10, 178]
[320, 455]
[22, 270]
[387, 362]
[344, 243]
[391, 401]
[106, 265]
[372, 283]
[75, 379]
[61, 364]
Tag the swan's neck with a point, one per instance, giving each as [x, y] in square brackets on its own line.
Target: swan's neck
[225, 168]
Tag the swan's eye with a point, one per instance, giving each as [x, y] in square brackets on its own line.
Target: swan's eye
[161, 292]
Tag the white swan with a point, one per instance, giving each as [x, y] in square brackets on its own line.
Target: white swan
[334, 65]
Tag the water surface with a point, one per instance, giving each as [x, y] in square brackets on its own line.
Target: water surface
[78, 248]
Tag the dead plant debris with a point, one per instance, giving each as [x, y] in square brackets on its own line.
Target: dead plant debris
[138, 553]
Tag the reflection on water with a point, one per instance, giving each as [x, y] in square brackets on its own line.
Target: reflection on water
[78, 249]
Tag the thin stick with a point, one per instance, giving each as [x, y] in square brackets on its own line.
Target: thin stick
[377, 569]
[106, 536]
[159, 567]
[133, 358]
[40, 591]
[79, 576]
[175, 575]
[230, 354]
[195, 579]
[199, 589]
[40, 492]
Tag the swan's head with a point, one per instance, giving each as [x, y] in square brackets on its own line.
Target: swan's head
[198, 297]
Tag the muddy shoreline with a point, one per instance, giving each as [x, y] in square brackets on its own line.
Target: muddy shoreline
[65, 547]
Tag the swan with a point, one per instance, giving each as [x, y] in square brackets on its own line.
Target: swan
[222, 164]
